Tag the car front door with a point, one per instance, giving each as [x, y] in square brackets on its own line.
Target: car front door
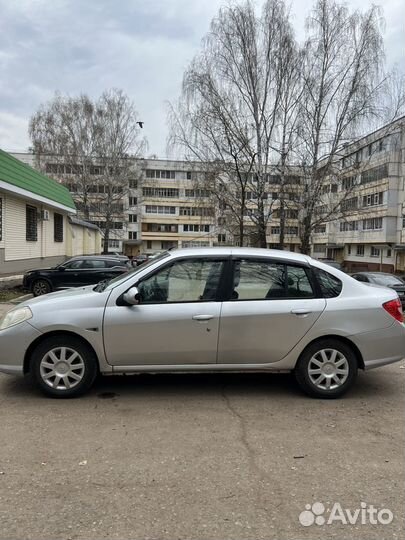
[176, 321]
[272, 306]
[69, 274]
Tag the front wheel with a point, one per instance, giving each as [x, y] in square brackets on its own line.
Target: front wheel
[40, 287]
[326, 369]
[64, 366]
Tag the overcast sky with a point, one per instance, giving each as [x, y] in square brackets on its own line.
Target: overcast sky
[141, 46]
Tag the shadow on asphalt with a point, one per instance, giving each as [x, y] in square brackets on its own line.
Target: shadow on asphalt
[255, 385]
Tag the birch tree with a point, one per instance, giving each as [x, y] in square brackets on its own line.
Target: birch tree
[342, 78]
[228, 108]
[90, 145]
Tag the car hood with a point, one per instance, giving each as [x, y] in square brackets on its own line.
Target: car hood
[33, 270]
[58, 297]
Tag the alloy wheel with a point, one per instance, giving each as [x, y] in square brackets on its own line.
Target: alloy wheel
[62, 368]
[328, 369]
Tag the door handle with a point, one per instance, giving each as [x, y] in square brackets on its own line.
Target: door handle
[202, 317]
[301, 311]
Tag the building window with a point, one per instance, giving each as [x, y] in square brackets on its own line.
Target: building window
[132, 235]
[166, 193]
[221, 238]
[188, 175]
[374, 199]
[319, 248]
[168, 244]
[114, 244]
[155, 209]
[153, 173]
[345, 226]
[372, 224]
[58, 227]
[132, 218]
[389, 253]
[160, 227]
[133, 184]
[133, 201]
[31, 223]
[199, 193]
[149, 244]
[372, 175]
[196, 228]
[375, 252]
[360, 250]
[320, 229]
[196, 211]
[1, 219]
[349, 249]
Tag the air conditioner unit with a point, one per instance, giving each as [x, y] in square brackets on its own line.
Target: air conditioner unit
[45, 215]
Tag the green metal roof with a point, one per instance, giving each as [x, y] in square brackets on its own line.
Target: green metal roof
[23, 176]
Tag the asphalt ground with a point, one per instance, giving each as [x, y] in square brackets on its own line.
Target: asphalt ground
[233, 456]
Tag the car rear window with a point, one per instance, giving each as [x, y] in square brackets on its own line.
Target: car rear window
[330, 285]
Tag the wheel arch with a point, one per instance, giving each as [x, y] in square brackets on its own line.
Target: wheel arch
[40, 278]
[342, 339]
[43, 337]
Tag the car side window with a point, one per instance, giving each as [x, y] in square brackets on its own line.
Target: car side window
[298, 284]
[73, 265]
[330, 285]
[93, 264]
[263, 280]
[189, 280]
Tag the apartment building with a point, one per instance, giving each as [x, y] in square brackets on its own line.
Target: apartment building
[167, 206]
[370, 234]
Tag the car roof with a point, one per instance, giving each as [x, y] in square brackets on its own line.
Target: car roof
[242, 251]
[92, 257]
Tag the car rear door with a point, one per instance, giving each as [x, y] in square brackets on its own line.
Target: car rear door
[272, 306]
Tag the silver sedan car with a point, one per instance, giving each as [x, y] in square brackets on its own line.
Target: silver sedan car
[206, 310]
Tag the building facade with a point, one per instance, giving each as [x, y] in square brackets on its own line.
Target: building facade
[37, 224]
[164, 208]
[370, 234]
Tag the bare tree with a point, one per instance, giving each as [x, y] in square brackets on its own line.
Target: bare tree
[342, 85]
[228, 109]
[90, 146]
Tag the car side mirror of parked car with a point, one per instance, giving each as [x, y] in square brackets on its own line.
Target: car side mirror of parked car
[61, 268]
[132, 297]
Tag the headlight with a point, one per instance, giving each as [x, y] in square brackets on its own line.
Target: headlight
[15, 316]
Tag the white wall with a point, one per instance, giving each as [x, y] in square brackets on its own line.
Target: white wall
[14, 231]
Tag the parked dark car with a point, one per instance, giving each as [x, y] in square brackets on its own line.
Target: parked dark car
[76, 272]
[385, 280]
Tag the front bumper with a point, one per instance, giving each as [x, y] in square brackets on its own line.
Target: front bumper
[14, 343]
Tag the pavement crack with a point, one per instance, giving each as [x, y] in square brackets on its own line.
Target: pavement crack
[243, 437]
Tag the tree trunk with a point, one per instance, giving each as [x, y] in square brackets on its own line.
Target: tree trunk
[282, 224]
[306, 236]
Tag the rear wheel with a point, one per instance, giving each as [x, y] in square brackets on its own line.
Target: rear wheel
[326, 369]
[64, 366]
[40, 287]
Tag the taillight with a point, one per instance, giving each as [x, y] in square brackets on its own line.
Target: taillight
[394, 308]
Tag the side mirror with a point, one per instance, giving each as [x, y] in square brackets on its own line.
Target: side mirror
[61, 268]
[132, 297]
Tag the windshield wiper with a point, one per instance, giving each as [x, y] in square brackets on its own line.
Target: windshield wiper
[101, 285]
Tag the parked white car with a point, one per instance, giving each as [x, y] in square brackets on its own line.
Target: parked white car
[211, 309]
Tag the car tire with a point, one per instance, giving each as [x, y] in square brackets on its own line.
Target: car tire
[64, 366]
[326, 369]
[40, 287]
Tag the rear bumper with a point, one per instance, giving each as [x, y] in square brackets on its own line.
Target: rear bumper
[381, 347]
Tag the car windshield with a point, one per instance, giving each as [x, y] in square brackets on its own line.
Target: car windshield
[107, 284]
[388, 281]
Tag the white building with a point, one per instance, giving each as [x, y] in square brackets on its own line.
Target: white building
[36, 227]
